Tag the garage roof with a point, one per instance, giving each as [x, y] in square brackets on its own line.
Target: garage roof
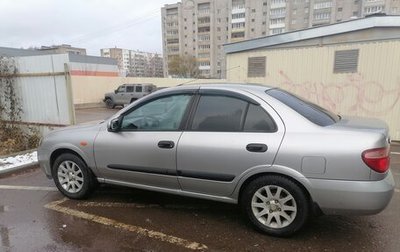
[315, 32]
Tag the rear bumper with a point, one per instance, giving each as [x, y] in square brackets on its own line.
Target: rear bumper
[352, 197]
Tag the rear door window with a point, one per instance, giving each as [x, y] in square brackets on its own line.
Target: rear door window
[129, 89]
[139, 89]
[219, 113]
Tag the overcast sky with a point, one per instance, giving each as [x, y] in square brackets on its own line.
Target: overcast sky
[91, 24]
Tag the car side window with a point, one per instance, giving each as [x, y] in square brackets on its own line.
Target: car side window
[129, 89]
[257, 120]
[139, 89]
[121, 89]
[219, 113]
[165, 113]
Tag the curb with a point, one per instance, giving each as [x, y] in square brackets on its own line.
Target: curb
[17, 168]
[20, 167]
[17, 153]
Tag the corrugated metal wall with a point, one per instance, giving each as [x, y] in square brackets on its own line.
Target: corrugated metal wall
[43, 89]
[374, 91]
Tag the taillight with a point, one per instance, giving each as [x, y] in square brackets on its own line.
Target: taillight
[377, 159]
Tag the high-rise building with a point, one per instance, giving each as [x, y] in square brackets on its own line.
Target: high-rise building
[136, 63]
[199, 28]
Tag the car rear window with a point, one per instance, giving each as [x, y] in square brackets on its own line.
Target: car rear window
[309, 110]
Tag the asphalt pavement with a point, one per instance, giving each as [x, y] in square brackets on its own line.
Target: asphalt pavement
[34, 216]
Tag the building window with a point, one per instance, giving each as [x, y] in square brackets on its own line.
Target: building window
[238, 15]
[277, 31]
[322, 16]
[346, 61]
[373, 9]
[256, 67]
[237, 35]
[277, 21]
[203, 8]
[238, 25]
[322, 5]
[340, 9]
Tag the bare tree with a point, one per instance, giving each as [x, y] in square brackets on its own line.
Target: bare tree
[184, 67]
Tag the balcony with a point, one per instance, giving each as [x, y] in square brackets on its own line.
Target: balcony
[278, 5]
[204, 67]
[205, 29]
[238, 20]
[238, 9]
[275, 26]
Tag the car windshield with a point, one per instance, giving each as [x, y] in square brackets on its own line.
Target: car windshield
[309, 110]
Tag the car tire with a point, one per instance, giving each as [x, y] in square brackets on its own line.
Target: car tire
[72, 176]
[275, 205]
[132, 100]
[109, 103]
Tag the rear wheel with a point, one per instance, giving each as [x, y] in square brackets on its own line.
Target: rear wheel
[109, 103]
[275, 205]
[133, 99]
[72, 177]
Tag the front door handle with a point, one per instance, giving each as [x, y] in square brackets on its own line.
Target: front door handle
[255, 147]
[166, 144]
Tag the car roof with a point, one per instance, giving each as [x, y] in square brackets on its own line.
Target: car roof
[232, 86]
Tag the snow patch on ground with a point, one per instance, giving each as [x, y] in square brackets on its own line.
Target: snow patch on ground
[15, 161]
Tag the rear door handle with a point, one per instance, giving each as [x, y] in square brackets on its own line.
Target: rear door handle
[166, 144]
[255, 147]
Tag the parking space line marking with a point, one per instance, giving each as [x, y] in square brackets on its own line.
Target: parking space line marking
[55, 205]
[29, 188]
[397, 190]
[395, 153]
[135, 205]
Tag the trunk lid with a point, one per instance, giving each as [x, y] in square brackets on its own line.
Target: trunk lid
[363, 124]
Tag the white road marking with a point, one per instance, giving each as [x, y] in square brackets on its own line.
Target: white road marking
[55, 205]
[395, 153]
[397, 190]
[135, 205]
[28, 188]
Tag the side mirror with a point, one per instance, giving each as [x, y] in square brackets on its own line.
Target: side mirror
[115, 124]
[115, 91]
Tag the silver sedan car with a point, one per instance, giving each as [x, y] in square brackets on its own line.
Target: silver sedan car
[281, 158]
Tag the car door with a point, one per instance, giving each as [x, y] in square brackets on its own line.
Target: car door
[129, 94]
[143, 150]
[119, 95]
[228, 135]
[138, 91]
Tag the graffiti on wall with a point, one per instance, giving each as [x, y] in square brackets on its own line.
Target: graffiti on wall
[353, 96]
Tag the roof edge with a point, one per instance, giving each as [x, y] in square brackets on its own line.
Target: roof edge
[314, 32]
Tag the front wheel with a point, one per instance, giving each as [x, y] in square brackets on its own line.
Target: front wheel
[275, 205]
[72, 177]
[109, 103]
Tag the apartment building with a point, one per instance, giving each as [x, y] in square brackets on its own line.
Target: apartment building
[199, 28]
[134, 63]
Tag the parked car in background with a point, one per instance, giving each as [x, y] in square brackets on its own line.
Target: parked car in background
[280, 157]
[127, 93]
